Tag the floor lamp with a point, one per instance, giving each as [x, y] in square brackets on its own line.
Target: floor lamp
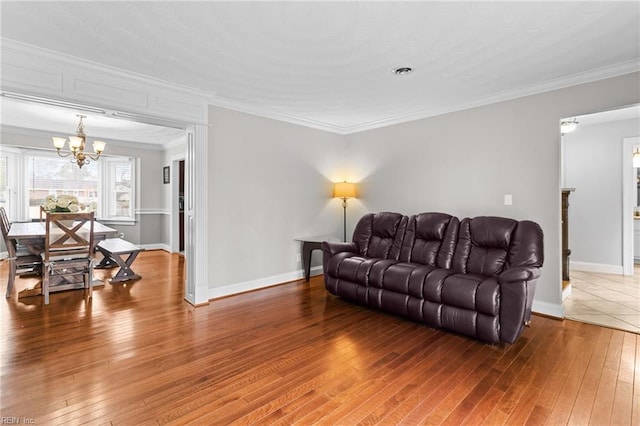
[344, 190]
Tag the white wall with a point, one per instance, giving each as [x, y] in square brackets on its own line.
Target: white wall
[269, 182]
[464, 163]
[594, 167]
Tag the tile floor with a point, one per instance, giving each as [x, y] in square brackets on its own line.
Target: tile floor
[604, 299]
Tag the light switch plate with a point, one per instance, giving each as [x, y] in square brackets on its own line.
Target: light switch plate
[508, 199]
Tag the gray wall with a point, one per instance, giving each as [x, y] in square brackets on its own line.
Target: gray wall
[593, 161]
[269, 182]
[465, 162]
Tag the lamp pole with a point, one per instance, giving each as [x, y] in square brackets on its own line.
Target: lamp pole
[344, 221]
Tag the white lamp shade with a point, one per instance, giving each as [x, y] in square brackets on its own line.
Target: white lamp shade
[98, 146]
[58, 143]
[75, 142]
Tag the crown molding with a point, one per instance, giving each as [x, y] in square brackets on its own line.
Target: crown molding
[35, 71]
[46, 135]
[271, 112]
[546, 86]
[28, 50]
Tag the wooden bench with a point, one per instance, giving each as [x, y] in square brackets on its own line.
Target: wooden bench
[113, 250]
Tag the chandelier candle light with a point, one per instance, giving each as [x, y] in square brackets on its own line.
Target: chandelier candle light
[77, 145]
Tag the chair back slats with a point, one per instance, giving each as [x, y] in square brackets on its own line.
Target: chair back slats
[6, 225]
[69, 235]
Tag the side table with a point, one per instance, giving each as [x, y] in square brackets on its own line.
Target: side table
[309, 244]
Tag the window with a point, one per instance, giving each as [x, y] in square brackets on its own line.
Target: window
[9, 172]
[108, 182]
[118, 184]
[51, 175]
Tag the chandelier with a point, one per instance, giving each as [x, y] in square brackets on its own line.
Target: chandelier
[77, 145]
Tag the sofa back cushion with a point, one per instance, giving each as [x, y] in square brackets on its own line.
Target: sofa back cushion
[379, 235]
[527, 248]
[430, 239]
[484, 245]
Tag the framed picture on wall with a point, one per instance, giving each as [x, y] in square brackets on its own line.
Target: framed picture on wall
[165, 174]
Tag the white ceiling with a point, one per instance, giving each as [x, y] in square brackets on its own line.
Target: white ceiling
[330, 63]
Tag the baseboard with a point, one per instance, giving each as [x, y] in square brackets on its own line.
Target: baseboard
[243, 287]
[548, 309]
[601, 268]
[164, 247]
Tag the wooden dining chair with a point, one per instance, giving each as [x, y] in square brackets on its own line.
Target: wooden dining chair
[68, 250]
[21, 261]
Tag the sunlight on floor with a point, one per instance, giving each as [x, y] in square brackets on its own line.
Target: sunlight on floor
[605, 299]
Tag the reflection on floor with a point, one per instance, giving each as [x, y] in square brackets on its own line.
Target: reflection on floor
[605, 299]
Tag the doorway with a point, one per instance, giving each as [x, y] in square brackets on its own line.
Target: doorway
[181, 206]
[177, 228]
[596, 160]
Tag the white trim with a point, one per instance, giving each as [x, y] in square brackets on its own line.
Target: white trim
[600, 268]
[628, 199]
[143, 212]
[197, 216]
[21, 131]
[229, 290]
[158, 246]
[555, 310]
[102, 86]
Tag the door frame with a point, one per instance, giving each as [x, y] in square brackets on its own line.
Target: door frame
[628, 188]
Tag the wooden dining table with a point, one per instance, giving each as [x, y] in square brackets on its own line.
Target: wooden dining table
[32, 235]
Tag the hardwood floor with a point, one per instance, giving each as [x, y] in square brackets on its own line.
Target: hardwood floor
[292, 354]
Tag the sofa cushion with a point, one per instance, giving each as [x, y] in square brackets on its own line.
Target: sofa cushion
[430, 239]
[355, 269]
[474, 292]
[400, 276]
[380, 235]
[483, 245]
[526, 248]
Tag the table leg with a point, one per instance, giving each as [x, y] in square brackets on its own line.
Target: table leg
[125, 273]
[307, 248]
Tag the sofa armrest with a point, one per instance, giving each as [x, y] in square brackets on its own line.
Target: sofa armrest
[518, 274]
[333, 247]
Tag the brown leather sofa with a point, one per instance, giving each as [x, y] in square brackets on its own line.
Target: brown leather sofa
[476, 277]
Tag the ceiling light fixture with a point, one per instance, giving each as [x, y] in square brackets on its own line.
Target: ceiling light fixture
[77, 144]
[403, 71]
[568, 125]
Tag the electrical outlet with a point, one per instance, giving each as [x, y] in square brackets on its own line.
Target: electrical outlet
[122, 235]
